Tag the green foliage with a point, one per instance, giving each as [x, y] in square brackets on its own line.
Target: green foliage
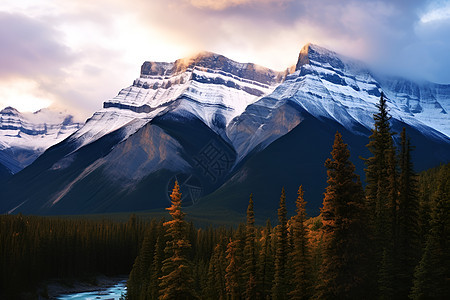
[432, 274]
[250, 254]
[343, 273]
[279, 288]
[177, 281]
[331, 256]
[300, 257]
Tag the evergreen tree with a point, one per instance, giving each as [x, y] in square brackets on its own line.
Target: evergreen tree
[381, 192]
[432, 275]
[158, 258]
[408, 245]
[377, 190]
[388, 265]
[300, 257]
[233, 271]
[216, 274]
[140, 274]
[279, 287]
[344, 271]
[266, 262]
[177, 281]
[250, 255]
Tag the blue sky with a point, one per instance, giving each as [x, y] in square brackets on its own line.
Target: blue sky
[75, 54]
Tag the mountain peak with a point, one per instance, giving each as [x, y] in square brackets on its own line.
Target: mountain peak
[314, 54]
[9, 111]
[212, 61]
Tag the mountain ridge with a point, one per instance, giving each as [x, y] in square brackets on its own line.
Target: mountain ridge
[24, 136]
[209, 127]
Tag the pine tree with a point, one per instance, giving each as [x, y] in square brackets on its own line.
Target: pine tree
[177, 281]
[250, 255]
[233, 271]
[279, 287]
[408, 245]
[381, 192]
[266, 262]
[432, 275]
[216, 274]
[344, 269]
[388, 264]
[300, 257]
[158, 258]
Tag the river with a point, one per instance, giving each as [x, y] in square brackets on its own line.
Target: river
[114, 292]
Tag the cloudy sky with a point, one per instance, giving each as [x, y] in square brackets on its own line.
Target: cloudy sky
[74, 54]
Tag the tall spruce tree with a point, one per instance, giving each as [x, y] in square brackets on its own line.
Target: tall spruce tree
[432, 274]
[279, 287]
[233, 271]
[250, 254]
[177, 281]
[344, 270]
[158, 258]
[408, 244]
[216, 274]
[300, 257]
[266, 262]
[381, 199]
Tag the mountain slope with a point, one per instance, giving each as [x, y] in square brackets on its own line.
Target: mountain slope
[223, 130]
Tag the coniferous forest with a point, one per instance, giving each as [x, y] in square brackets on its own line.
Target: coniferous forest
[387, 240]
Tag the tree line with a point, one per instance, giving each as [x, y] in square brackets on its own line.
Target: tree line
[387, 241]
[34, 249]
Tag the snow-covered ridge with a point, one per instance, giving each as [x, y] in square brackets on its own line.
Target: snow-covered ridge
[207, 85]
[330, 85]
[35, 131]
[212, 61]
[216, 90]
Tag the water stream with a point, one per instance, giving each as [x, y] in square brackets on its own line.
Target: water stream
[114, 292]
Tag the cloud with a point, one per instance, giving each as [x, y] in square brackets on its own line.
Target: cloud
[224, 4]
[30, 48]
[80, 53]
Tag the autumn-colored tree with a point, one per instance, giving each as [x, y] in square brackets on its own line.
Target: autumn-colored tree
[300, 257]
[177, 281]
[344, 270]
[279, 287]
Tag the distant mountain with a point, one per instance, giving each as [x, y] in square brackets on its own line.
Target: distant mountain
[225, 129]
[24, 136]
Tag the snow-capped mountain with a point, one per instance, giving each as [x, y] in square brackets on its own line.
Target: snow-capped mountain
[24, 136]
[210, 86]
[226, 129]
